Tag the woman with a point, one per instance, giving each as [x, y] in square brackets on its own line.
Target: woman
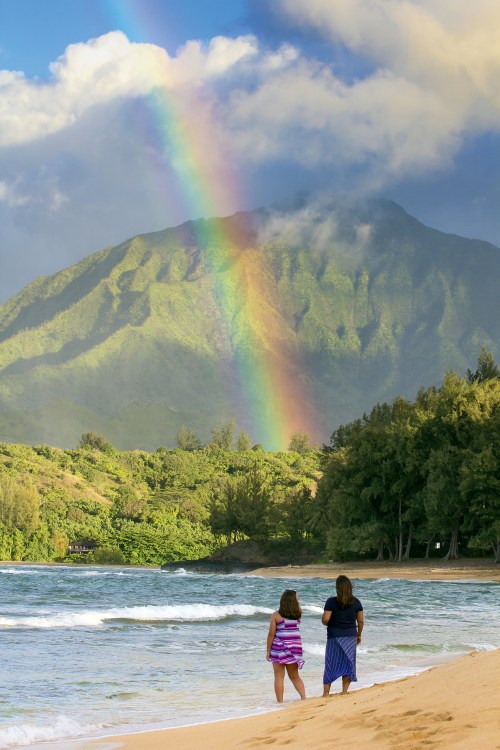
[343, 616]
[284, 645]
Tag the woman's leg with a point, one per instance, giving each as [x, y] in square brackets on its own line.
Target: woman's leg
[296, 679]
[346, 681]
[326, 689]
[279, 679]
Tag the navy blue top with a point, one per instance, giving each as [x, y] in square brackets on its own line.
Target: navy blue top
[343, 619]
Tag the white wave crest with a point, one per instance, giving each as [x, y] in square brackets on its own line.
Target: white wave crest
[27, 734]
[152, 613]
[57, 620]
[313, 608]
[314, 649]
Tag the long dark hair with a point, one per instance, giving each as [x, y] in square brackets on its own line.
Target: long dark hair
[344, 591]
[289, 605]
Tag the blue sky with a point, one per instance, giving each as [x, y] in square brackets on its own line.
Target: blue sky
[279, 98]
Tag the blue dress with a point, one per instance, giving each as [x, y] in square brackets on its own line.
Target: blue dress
[342, 632]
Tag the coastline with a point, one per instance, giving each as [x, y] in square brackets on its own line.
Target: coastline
[416, 569]
[465, 569]
[451, 707]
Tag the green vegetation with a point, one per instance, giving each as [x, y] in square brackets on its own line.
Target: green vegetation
[409, 476]
[417, 475]
[145, 508]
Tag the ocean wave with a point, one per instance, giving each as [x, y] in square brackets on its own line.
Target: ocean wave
[314, 649]
[27, 734]
[16, 572]
[151, 613]
[100, 573]
[313, 608]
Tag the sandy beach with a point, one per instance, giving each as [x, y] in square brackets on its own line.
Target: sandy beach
[452, 706]
[436, 570]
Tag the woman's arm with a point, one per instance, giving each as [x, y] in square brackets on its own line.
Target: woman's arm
[270, 635]
[325, 617]
[361, 621]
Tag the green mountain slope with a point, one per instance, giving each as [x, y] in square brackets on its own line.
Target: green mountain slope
[131, 341]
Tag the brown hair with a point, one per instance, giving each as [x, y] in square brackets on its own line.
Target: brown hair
[344, 591]
[289, 605]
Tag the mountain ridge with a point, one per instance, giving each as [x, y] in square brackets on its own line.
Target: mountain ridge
[131, 340]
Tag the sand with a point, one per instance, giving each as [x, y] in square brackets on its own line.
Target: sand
[436, 569]
[454, 706]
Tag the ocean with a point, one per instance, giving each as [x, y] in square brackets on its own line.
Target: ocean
[95, 651]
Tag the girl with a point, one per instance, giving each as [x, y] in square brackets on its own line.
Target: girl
[343, 616]
[284, 645]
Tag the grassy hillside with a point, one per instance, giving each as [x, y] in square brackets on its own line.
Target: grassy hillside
[140, 507]
[129, 341]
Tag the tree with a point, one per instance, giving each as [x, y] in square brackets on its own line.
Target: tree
[480, 485]
[480, 470]
[244, 506]
[255, 504]
[223, 436]
[295, 512]
[223, 513]
[487, 368]
[341, 437]
[300, 442]
[462, 424]
[93, 441]
[187, 440]
[19, 505]
[244, 443]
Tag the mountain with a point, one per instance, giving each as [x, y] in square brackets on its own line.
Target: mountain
[356, 304]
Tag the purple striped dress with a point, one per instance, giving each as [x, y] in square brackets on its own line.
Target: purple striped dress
[286, 647]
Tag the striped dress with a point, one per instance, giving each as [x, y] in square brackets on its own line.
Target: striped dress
[286, 647]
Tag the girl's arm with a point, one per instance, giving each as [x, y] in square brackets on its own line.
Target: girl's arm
[325, 617]
[270, 635]
[360, 620]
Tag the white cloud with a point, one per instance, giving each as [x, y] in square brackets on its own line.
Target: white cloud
[107, 68]
[10, 195]
[86, 160]
[432, 81]
[317, 226]
[450, 47]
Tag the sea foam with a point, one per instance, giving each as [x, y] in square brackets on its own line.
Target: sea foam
[27, 734]
[150, 613]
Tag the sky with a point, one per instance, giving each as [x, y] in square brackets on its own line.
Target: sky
[120, 117]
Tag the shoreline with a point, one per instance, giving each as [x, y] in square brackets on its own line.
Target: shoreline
[450, 706]
[426, 570]
[464, 569]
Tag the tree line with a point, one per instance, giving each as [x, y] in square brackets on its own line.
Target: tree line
[422, 474]
[409, 478]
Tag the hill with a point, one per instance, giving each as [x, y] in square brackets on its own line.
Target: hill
[146, 508]
[255, 316]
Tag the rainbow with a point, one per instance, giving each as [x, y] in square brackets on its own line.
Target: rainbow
[268, 391]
